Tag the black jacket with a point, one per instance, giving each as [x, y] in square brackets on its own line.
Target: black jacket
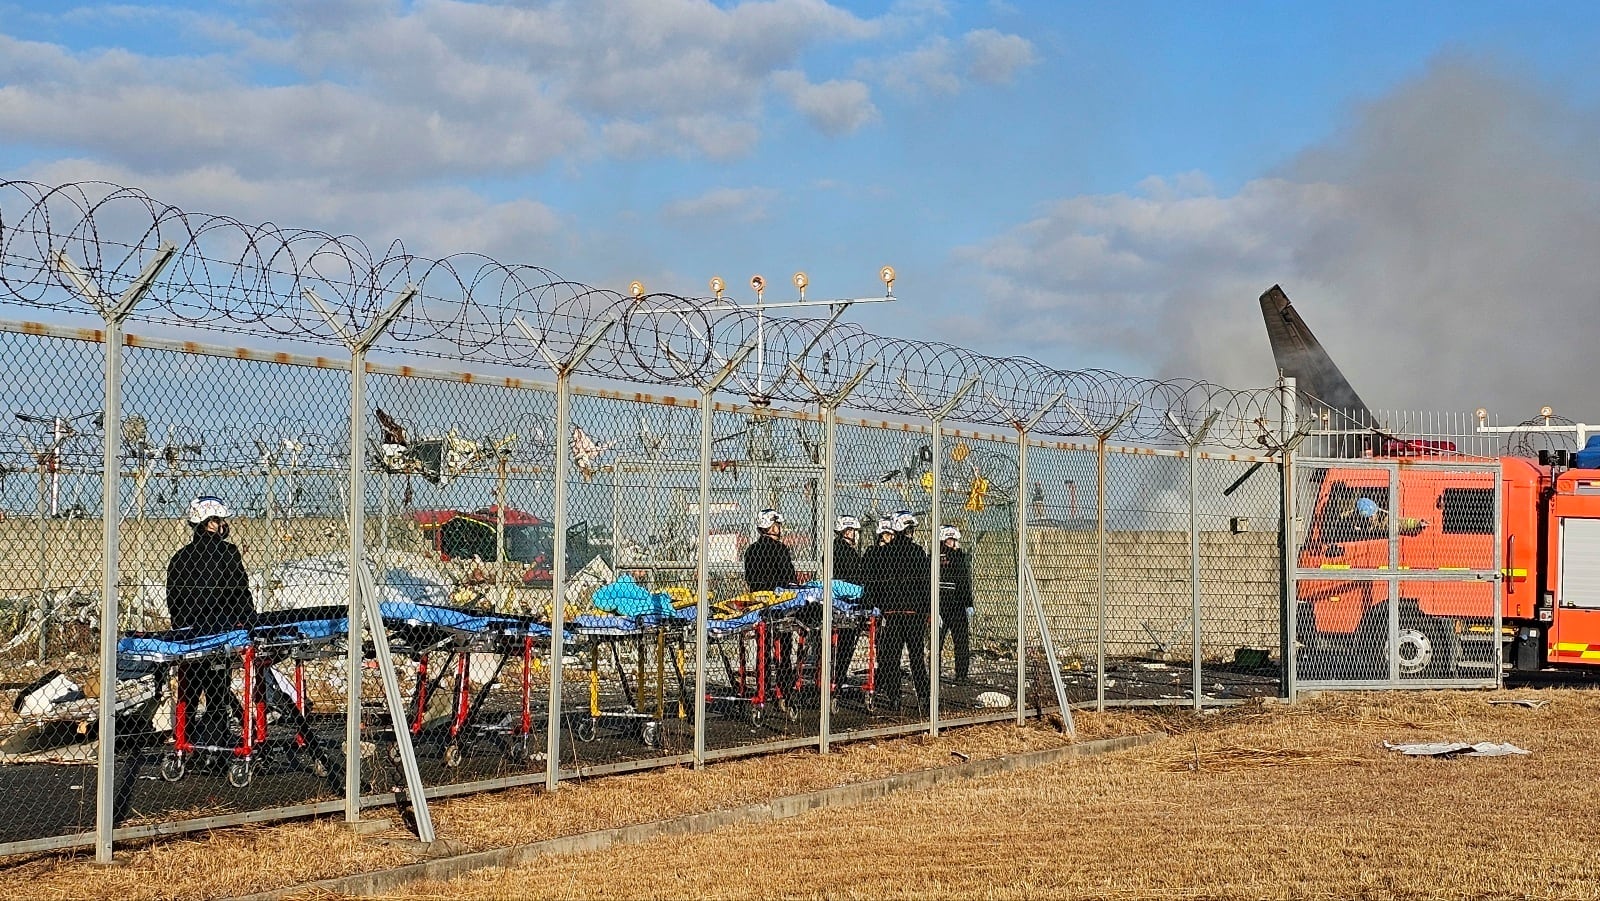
[897, 576]
[768, 564]
[846, 562]
[955, 579]
[207, 587]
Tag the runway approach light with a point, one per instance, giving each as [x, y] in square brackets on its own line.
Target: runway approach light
[636, 289]
[718, 286]
[800, 281]
[887, 275]
[758, 285]
[1546, 412]
[1482, 415]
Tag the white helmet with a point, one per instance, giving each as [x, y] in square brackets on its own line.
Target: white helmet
[885, 526]
[949, 532]
[903, 521]
[207, 507]
[768, 518]
[847, 522]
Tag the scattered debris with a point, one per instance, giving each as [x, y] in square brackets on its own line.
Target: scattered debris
[994, 699]
[1456, 749]
[1530, 703]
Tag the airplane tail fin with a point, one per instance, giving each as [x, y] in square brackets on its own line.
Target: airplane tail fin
[1300, 355]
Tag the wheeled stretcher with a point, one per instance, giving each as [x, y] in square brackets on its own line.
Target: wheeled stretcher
[771, 656]
[294, 637]
[442, 641]
[656, 642]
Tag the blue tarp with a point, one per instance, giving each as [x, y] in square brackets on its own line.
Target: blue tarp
[1589, 457]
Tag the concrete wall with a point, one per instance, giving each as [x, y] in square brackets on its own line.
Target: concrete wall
[1147, 584]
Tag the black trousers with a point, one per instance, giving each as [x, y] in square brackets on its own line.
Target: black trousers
[213, 680]
[954, 623]
[903, 631]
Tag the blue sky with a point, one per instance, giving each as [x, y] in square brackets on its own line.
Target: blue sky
[1090, 184]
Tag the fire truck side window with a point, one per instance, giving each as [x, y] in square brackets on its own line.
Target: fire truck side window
[1345, 518]
[1467, 511]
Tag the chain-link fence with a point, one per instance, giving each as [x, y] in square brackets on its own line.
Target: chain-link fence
[337, 583]
[235, 585]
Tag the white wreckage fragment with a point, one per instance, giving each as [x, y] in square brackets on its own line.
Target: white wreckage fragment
[1456, 749]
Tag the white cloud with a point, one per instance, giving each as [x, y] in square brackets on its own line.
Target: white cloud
[994, 58]
[432, 221]
[833, 107]
[943, 68]
[736, 204]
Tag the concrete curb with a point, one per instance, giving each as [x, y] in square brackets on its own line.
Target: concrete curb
[388, 881]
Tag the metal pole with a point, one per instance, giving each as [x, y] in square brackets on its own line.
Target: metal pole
[1197, 682]
[354, 610]
[563, 370]
[829, 515]
[702, 606]
[935, 523]
[110, 615]
[1100, 573]
[1288, 642]
[558, 579]
[1022, 567]
[114, 313]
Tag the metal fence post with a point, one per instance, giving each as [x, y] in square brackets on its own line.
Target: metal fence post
[936, 417]
[1023, 426]
[115, 313]
[1101, 436]
[362, 611]
[830, 421]
[1193, 440]
[1288, 651]
[563, 370]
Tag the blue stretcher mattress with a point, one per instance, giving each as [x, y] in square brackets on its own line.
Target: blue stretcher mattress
[284, 626]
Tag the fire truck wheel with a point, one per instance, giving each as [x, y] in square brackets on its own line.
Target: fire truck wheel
[1415, 650]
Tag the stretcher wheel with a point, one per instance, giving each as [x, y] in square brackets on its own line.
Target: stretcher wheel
[522, 748]
[452, 756]
[650, 733]
[172, 766]
[584, 729]
[239, 773]
[394, 753]
[755, 714]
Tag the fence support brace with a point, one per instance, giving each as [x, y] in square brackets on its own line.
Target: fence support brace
[363, 612]
[115, 312]
[1023, 427]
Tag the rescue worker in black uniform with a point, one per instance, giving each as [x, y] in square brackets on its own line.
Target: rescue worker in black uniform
[208, 591]
[955, 598]
[769, 566]
[846, 568]
[898, 575]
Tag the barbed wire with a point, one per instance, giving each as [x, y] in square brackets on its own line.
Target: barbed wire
[253, 279]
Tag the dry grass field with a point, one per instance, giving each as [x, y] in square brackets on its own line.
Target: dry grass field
[1263, 801]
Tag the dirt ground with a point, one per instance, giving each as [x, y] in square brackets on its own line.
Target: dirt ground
[1260, 801]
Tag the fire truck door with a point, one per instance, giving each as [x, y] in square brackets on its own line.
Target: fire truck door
[1575, 634]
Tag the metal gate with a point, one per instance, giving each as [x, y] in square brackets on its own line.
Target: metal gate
[1397, 570]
